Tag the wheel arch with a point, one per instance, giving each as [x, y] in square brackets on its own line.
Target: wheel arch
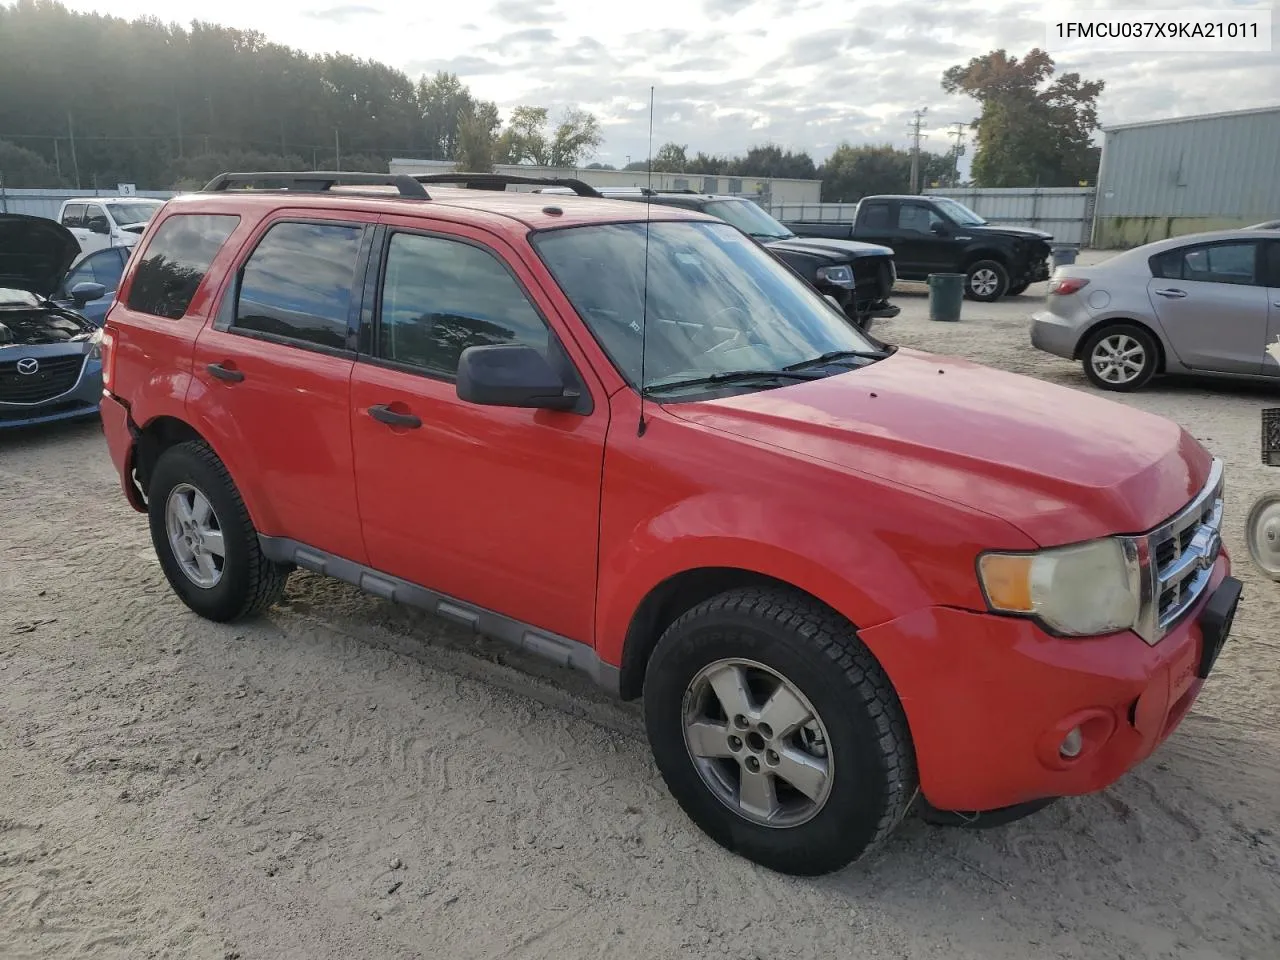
[984, 253]
[1122, 321]
[676, 595]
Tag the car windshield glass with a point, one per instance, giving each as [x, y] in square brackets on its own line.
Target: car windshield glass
[717, 304]
[749, 218]
[139, 212]
[959, 212]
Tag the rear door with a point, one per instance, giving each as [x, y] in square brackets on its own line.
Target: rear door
[1212, 301]
[73, 219]
[273, 372]
[1271, 358]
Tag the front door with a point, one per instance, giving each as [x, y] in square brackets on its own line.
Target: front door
[1271, 359]
[274, 372]
[97, 228]
[1213, 305]
[495, 506]
[923, 239]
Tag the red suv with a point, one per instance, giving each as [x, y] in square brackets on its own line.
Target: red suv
[845, 577]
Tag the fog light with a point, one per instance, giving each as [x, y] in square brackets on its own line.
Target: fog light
[1072, 744]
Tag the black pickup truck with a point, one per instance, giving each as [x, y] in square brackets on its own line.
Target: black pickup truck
[940, 235]
[858, 276]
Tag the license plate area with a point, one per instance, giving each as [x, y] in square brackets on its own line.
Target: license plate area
[1215, 623]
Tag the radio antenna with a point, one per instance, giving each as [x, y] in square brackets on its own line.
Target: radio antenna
[644, 301]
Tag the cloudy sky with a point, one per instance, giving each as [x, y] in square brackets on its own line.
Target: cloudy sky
[803, 74]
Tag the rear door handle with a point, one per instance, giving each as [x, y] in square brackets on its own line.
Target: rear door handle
[1171, 293]
[225, 373]
[384, 414]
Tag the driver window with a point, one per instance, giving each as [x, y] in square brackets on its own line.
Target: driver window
[441, 296]
[95, 219]
[916, 218]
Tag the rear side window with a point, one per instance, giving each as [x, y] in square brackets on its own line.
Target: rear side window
[73, 215]
[175, 262]
[297, 284]
[1212, 263]
[876, 216]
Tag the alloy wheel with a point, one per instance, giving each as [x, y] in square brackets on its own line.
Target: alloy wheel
[195, 535]
[757, 742]
[984, 282]
[1118, 359]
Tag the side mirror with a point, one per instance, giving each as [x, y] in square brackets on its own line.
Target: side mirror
[511, 375]
[87, 291]
[99, 225]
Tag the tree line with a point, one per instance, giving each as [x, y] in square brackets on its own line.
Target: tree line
[93, 100]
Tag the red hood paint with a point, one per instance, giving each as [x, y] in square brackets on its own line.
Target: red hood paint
[1060, 464]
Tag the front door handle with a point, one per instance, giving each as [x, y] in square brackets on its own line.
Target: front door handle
[1172, 293]
[384, 414]
[229, 374]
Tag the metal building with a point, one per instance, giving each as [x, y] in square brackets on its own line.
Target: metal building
[1164, 178]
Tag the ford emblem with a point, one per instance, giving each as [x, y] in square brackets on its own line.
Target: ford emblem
[28, 365]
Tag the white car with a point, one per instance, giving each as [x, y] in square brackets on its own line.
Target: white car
[100, 222]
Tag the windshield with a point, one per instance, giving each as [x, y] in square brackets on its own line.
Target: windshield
[958, 212]
[717, 303]
[139, 211]
[749, 218]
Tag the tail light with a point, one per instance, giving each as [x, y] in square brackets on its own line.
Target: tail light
[1063, 286]
[108, 358]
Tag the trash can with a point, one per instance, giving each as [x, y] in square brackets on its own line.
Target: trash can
[1064, 254]
[946, 294]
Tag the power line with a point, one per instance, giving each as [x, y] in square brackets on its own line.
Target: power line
[916, 136]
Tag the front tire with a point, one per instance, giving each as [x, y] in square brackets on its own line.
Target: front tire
[777, 731]
[204, 538]
[1122, 358]
[986, 281]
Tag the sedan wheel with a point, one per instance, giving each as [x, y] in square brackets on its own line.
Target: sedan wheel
[1120, 358]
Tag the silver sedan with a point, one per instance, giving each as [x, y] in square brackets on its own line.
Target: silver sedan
[1208, 303]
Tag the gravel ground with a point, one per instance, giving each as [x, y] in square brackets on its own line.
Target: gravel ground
[343, 778]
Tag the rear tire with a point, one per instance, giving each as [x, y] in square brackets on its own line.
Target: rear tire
[1121, 357]
[841, 779]
[986, 281]
[195, 511]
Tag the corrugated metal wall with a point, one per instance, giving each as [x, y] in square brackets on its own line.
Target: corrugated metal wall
[1201, 173]
[47, 203]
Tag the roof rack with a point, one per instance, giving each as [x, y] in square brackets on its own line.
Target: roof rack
[316, 181]
[500, 181]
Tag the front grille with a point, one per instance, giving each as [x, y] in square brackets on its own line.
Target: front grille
[1182, 552]
[872, 278]
[54, 377]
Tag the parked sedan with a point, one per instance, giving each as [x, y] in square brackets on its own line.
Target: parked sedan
[1207, 303]
[50, 355]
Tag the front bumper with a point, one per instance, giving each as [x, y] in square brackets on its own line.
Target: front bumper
[1037, 272]
[989, 699]
[79, 402]
[1054, 334]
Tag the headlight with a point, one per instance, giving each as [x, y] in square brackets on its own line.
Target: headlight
[1080, 591]
[95, 351]
[839, 276]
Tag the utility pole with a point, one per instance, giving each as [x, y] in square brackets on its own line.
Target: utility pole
[75, 164]
[57, 158]
[916, 136]
[337, 151]
[956, 151]
[177, 109]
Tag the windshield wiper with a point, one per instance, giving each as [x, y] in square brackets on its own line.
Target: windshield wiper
[834, 355]
[733, 376]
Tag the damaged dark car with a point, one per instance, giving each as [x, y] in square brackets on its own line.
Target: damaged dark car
[50, 355]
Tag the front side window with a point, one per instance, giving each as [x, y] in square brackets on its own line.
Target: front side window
[104, 267]
[95, 219]
[1210, 263]
[298, 282]
[441, 296]
[176, 261]
[716, 303]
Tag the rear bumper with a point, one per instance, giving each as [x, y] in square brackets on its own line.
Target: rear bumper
[80, 401]
[119, 432]
[1054, 334]
[989, 700]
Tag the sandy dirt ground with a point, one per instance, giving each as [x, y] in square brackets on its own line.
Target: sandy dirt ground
[347, 779]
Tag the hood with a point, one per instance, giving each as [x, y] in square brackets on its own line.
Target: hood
[35, 253]
[1059, 464]
[996, 228]
[834, 251]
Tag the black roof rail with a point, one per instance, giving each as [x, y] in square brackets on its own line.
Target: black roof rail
[499, 181]
[315, 181]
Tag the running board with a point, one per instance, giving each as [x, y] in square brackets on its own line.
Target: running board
[549, 646]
